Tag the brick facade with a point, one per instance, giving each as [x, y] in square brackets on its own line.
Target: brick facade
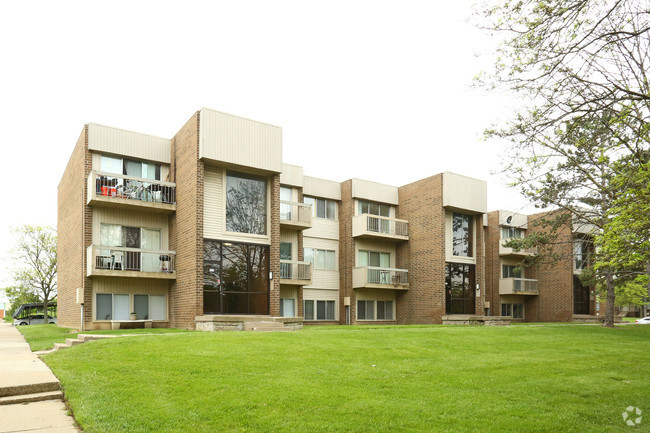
[186, 228]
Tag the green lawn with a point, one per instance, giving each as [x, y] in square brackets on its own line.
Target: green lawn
[42, 337]
[349, 379]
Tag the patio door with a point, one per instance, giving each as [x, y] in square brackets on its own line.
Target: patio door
[460, 288]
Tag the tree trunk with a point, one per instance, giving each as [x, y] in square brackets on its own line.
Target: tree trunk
[644, 308]
[609, 307]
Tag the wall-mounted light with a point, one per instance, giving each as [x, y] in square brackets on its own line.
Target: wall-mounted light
[270, 275]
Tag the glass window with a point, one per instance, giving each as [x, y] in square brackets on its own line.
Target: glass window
[285, 250]
[236, 278]
[365, 310]
[141, 306]
[384, 310]
[517, 311]
[245, 204]
[322, 208]
[330, 260]
[110, 235]
[121, 310]
[511, 271]
[460, 288]
[309, 310]
[506, 309]
[462, 226]
[156, 307]
[104, 306]
[374, 258]
[372, 208]
[511, 232]
[110, 164]
[309, 255]
[363, 258]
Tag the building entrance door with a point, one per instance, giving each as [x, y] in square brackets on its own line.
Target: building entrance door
[460, 293]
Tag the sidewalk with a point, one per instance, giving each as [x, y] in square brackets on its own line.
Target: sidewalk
[30, 396]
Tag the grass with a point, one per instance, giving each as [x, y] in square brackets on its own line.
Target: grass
[43, 337]
[362, 379]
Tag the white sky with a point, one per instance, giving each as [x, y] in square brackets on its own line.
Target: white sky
[378, 90]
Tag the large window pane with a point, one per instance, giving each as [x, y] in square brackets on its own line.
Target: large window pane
[331, 210]
[309, 255]
[320, 208]
[111, 165]
[462, 235]
[330, 260]
[320, 310]
[110, 235]
[133, 168]
[245, 204]
[309, 310]
[234, 268]
[141, 306]
[320, 259]
[285, 250]
[104, 306]
[330, 314]
[121, 310]
[156, 307]
[363, 258]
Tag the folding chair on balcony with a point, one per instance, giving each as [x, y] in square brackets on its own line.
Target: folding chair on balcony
[118, 260]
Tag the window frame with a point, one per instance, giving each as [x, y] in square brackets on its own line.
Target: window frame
[329, 306]
[318, 255]
[469, 234]
[326, 207]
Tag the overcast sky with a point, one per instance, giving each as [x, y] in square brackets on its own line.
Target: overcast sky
[378, 90]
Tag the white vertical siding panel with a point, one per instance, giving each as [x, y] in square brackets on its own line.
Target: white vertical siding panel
[374, 191]
[241, 141]
[323, 228]
[129, 143]
[321, 295]
[213, 221]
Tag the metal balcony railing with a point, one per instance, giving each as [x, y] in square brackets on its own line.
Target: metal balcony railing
[292, 270]
[131, 188]
[371, 276]
[373, 224]
[107, 258]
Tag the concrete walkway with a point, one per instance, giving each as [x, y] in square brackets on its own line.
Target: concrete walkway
[30, 394]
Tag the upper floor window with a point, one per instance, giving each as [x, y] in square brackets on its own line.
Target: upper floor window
[372, 208]
[130, 167]
[322, 208]
[511, 271]
[511, 232]
[581, 249]
[462, 234]
[245, 204]
[374, 258]
[321, 259]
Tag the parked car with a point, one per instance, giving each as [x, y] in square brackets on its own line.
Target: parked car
[643, 321]
[36, 319]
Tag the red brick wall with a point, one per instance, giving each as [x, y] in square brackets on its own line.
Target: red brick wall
[424, 254]
[186, 227]
[346, 252]
[555, 281]
[72, 212]
[274, 293]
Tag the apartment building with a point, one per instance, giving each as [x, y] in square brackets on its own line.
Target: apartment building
[551, 291]
[210, 230]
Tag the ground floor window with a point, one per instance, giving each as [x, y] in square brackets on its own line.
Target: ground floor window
[516, 311]
[235, 278]
[287, 307]
[580, 296]
[460, 288]
[375, 310]
[320, 310]
[116, 306]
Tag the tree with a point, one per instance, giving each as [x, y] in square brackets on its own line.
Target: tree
[35, 266]
[579, 66]
[17, 296]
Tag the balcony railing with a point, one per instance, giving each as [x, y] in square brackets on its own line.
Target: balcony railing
[105, 260]
[506, 251]
[371, 276]
[378, 226]
[110, 185]
[517, 286]
[297, 214]
[292, 270]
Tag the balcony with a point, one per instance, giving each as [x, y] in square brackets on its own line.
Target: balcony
[128, 192]
[505, 251]
[295, 273]
[370, 277]
[295, 216]
[372, 226]
[130, 262]
[518, 286]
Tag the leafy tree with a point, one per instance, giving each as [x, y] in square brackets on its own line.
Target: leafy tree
[579, 70]
[35, 266]
[18, 296]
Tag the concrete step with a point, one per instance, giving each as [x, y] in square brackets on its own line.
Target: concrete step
[32, 388]
[91, 337]
[26, 398]
[58, 346]
[73, 341]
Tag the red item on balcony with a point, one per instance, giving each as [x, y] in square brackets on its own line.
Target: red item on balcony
[104, 190]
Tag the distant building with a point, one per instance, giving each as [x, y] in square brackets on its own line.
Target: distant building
[210, 230]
